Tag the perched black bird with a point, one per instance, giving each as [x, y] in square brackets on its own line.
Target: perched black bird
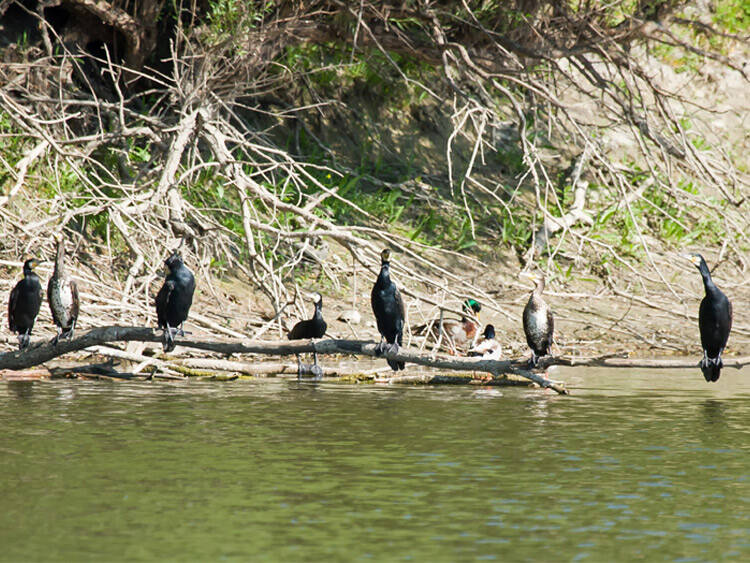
[62, 295]
[311, 328]
[714, 322]
[24, 303]
[488, 348]
[174, 299]
[389, 311]
[538, 322]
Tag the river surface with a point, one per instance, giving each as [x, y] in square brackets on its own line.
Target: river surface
[634, 465]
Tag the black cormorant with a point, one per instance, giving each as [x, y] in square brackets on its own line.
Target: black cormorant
[389, 311]
[24, 303]
[310, 328]
[62, 295]
[488, 348]
[538, 322]
[174, 299]
[714, 322]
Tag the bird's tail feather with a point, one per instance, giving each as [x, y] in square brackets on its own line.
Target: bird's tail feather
[711, 369]
[393, 349]
[395, 365]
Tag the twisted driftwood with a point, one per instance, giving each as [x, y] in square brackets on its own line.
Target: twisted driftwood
[41, 352]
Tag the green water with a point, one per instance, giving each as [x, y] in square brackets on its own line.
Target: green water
[648, 466]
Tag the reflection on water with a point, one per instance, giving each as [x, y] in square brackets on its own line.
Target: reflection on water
[633, 465]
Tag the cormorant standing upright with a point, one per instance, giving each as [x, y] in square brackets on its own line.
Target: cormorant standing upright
[389, 311]
[174, 299]
[538, 322]
[62, 295]
[310, 328]
[24, 303]
[714, 322]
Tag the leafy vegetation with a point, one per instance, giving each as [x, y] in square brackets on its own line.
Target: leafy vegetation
[454, 128]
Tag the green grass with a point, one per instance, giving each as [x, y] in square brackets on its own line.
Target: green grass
[732, 16]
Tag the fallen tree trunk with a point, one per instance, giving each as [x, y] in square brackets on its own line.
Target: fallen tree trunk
[41, 352]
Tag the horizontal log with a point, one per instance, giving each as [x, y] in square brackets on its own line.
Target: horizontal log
[40, 352]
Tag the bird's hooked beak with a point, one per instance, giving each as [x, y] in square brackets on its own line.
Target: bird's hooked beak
[694, 258]
[532, 276]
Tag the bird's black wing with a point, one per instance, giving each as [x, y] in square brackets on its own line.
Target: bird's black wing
[550, 326]
[12, 307]
[52, 309]
[527, 328]
[399, 321]
[298, 331]
[76, 304]
[162, 300]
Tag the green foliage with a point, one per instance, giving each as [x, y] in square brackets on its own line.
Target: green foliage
[11, 146]
[339, 72]
[657, 214]
[732, 16]
[234, 19]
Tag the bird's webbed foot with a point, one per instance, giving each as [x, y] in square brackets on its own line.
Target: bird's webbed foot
[533, 360]
[24, 340]
[167, 339]
[316, 371]
[704, 363]
[380, 347]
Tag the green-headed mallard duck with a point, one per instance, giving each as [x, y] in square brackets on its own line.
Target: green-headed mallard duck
[460, 334]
